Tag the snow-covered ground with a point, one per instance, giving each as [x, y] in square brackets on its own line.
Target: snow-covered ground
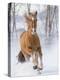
[50, 57]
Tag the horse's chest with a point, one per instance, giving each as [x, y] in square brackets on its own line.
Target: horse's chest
[33, 43]
[33, 40]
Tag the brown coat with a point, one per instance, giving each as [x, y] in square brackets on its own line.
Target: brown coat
[29, 42]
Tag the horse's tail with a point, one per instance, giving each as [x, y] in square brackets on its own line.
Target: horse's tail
[21, 57]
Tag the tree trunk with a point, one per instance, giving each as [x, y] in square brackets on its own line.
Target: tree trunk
[51, 13]
[28, 6]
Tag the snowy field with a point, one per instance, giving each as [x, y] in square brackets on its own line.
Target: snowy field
[50, 57]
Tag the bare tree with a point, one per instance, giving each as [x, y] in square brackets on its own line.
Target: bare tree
[55, 19]
[28, 6]
[47, 19]
[50, 19]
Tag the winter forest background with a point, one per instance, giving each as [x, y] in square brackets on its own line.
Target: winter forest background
[47, 29]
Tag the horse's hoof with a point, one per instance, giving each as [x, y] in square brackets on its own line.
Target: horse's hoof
[35, 67]
[39, 69]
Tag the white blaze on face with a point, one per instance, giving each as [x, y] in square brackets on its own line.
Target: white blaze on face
[32, 18]
[33, 32]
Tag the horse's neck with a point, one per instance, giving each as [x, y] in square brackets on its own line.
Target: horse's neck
[30, 35]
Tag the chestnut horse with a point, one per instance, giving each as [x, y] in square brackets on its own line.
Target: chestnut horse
[30, 43]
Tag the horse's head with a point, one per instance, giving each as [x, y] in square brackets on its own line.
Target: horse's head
[31, 20]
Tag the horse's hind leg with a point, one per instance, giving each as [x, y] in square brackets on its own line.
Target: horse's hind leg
[27, 57]
[21, 57]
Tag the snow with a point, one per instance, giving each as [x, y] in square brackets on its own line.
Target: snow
[50, 57]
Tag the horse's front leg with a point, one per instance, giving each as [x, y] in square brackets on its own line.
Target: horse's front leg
[40, 61]
[35, 60]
